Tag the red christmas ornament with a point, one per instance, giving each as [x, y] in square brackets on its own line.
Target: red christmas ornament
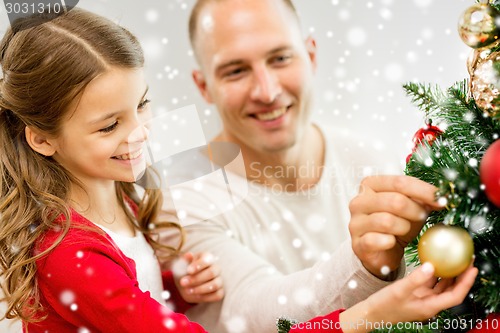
[429, 133]
[489, 172]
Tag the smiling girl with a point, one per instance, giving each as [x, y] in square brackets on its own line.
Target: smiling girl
[77, 243]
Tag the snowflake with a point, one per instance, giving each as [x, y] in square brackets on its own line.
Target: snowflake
[297, 243]
[386, 14]
[473, 162]
[152, 15]
[385, 270]
[303, 296]
[275, 226]
[394, 72]
[315, 222]
[287, 215]
[411, 57]
[479, 224]
[236, 324]
[165, 294]
[67, 297]
[179, 267]
[282, 299]
[169, 323]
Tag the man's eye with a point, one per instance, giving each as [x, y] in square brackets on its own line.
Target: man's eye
[109, 128]
[282, 59]
[234, 73]
[143, 104]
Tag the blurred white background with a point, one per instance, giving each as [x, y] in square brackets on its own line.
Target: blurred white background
[367, 50]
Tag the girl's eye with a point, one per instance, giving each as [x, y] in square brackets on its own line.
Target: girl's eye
[143, 104]
[109, 128]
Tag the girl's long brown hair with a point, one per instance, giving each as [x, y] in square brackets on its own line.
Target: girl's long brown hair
[46, 65]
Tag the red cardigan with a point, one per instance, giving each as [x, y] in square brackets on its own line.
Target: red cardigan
[87, 284]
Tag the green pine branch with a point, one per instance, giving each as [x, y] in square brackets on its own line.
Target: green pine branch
[284, 325]
[495, 4]
[451, 163]
[426, 97]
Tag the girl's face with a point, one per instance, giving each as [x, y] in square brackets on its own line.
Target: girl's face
[102, 140]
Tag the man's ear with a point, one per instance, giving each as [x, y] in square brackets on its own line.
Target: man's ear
[39, 142]
[201, 83]
[311, 50]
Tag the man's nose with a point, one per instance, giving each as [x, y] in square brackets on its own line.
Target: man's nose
[266, 86]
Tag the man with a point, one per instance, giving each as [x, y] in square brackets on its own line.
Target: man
[285, 249]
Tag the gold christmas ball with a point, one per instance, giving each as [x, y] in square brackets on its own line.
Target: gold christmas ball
[448, 248]
[477, 26]
[485, 82]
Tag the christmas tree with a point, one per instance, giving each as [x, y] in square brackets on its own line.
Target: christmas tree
[461, 156]
[458, 151]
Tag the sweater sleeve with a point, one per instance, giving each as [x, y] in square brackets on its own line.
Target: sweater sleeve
[254, 288]
[329, 323]
[91, 284]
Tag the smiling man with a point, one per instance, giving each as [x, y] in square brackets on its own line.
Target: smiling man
[258, 72]
[285, 249]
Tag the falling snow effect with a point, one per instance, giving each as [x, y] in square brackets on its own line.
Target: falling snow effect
[352, 284]
[479, 225]
[385, 270]
[303, 296]
[236, 324]
[282, 299]
[179, 267]
[170, 324]
[67, 297]
[366, 49]
[379, 44]
[165, 295]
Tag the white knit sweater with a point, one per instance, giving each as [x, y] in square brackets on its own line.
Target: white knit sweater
[284, 253]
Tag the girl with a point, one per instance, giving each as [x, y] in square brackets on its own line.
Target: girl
[72, 93]
[72, 253]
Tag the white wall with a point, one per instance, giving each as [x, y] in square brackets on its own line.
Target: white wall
[367, 49]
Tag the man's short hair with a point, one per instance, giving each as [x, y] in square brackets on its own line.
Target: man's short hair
[200, 4]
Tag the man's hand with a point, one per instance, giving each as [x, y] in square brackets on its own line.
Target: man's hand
[386, 215]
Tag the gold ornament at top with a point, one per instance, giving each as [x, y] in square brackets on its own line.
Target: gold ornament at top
[485, 81]
[477, 26]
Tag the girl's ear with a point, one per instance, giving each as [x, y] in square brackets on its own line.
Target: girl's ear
[39, 142]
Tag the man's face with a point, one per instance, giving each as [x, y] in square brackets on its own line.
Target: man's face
[257, 70]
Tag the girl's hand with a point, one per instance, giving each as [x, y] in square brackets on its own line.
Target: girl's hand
[202, 281]
[417, 297]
